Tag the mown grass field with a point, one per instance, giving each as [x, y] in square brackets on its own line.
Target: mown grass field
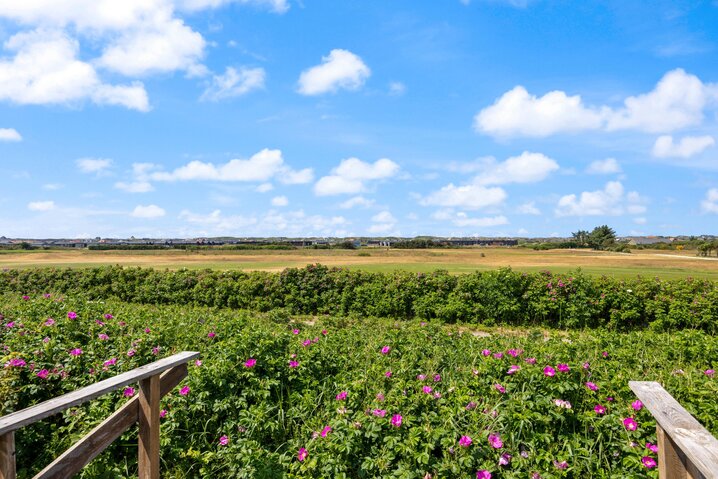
[646, 262]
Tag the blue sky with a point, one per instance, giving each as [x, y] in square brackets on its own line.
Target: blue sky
[184, 118]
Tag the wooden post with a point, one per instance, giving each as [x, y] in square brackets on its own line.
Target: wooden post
[149, 421]
[670, 462]
[7, 455]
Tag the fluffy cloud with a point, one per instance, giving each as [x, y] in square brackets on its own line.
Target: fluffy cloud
[93, 165]
[341, 69]
[610, 201]
[149, 211]
[356, 201]
[293, 223]
[280, 201]
[525, 168]
[678, 101]
[604, 167]
[278, 6]
[262, 166]
[382, 223]
[135, 186]
[462, 220]
[46, 70]
[352, 174]
[470, 197]
[10, 134]
[688, 146]
[234, 83]
[529, 209]
[41, 205]
[710, 203]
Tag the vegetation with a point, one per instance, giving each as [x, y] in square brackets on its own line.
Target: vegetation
[276, 396]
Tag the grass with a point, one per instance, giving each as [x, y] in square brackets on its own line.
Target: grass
[646, 262]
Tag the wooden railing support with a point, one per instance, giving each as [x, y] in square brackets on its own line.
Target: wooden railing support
[155, 381]
[7, 455]
[686, 450]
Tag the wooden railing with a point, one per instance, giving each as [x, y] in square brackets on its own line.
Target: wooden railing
[155, 381]
[685, 448]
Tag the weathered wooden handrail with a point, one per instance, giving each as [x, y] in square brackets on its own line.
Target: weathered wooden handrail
[685, 448]
[155, 380]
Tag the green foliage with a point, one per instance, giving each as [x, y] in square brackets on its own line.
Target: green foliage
[602, 237]
[269, 411]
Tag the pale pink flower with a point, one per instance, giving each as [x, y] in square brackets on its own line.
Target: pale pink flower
[379, 412]
[591, 386]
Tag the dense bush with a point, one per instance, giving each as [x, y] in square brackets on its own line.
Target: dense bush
[330, 386]
[493, 297]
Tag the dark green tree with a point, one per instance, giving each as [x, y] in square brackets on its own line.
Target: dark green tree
[602, 237]
[581, 237]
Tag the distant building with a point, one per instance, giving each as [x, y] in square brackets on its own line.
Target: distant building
[648, 240]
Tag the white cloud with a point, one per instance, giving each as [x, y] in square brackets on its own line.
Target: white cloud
[264, 187]
[352, 173]
[604, 167]
[149, 211]
[640, 220]
[470, 197]
[688, 146]
[525, 168]
[280, 201]
[93, 165]
[610, 201]
[710, 203]
[678, 101]
[383, 217]
[341, 69]
[52, 186]
[278, 6]
[234, 83]
[462, 220]
[260, 167]
[41, 205]
[356, 201]
[529, 209]
[397, 88]
[45, 70]
[135, 186]
[382, 223]
[10, 134]
[293, 223]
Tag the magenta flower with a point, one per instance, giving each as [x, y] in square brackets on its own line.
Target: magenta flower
[295, 331]
[156, 350]
[649, 462]
[586, 365]
[72, 315]
[549, 371]
[293, 364]
[652, 447]
[471, 405]
[465, 441]
[420, 377]
[427, 389]
[498, 355]
[198, 362]
[324, 332]
[10, 325]
[250, 363]
[131, 353]
[483, 474]
[513, 369]
[486, 352]
[211, 334]
[630, 424]
[514, 352]
[103, 337]
[396, 420]
[437, 378]
[598, 409]
[500, 388]
[47, 295]
[25, 298]
[385, 350]
[163, 413]
[302, 454]
[387, 374]
[341, 396]
[379, 412]
[379, 397]
[325, 431]
[560, 465]
[43, 374]
[531, 360]
[709, 372]
[49, 322]
[129, 392]
[604, 354]
[505, 459]
[184, 391]
[495, 441]
[306, 342]
[109, 316]
[637, 405]
[563, 368]
[223, 441]
[591, 386]
[76, 352]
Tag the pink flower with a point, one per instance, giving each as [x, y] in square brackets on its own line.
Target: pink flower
[163, 413]
[302, 454]
[184, 391]
[47, 296]
[549, 371]
[630, 424]
[25, 298]
[505, 459]
[103, 337]
[483, 474]
[325, 431]
[437, 378]
[591, 386]
[649, 462]
[385, 350]
[465, 441]
[396, 420]
[211, 334]
[562, 403]
[306, 342]
[563, 368]
[295, 331]
[109, 316]
[498, 355]
[470, 406]
[223, 441]
[250, 363]
[500, 388]
[652, 447]
[76, 352]
[637, 405]
[10, 325]
[420, 377]
[49, 322]
[110, 362]
[129, 392]
[43, 374]
[514, 352]
[156, 350]
[709, 372]
[560, 465]
[379, 412]
[586, 365]
[379, 397]
[495, 441]
[16, 363]
[604, 354]
[427, 389]
[598, 409]
[293, 364]
[513, 369]
[324, 332]
[486, 352]
[197, 363]
[147, 330]
[531, 360]
[72, 315]
[387, 374]
[131, 353]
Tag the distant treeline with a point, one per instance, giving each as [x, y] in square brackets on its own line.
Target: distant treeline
[492, 297]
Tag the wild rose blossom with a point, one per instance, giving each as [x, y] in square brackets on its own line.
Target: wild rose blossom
[43, 373]
[530, 360]
[465, 441]
[76, 352]
[500, 388]
[649, 462]
[306, 342]
[293, 364]
[184, 391]
[498, 355]
[652, 447]
[427, 389]
[103, 337]
[591, 386]
[630, 424]
[560, 465]
[223, 441]
[637, 405]
[563, 368]
[486, 352]
[72, 315]
[420, 377]
[16, 363]
[483, 474]
[379, 412]
[129, 391]
[49, 322]
[396, 420]
[163, 413]
[549, 371]
[598, 409]
[341, 396]
[505, 459]
[302, 454]
[470, 406]
[709, 372]
[325, 431]
[563, 404]
[385, 350]
[25, 297]
[295, 331]
[250, 363]
[387, 374]
[211, 334]
[513, 369]
[109, 316]
[437, 378]
[495, 441]
[198, 362]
